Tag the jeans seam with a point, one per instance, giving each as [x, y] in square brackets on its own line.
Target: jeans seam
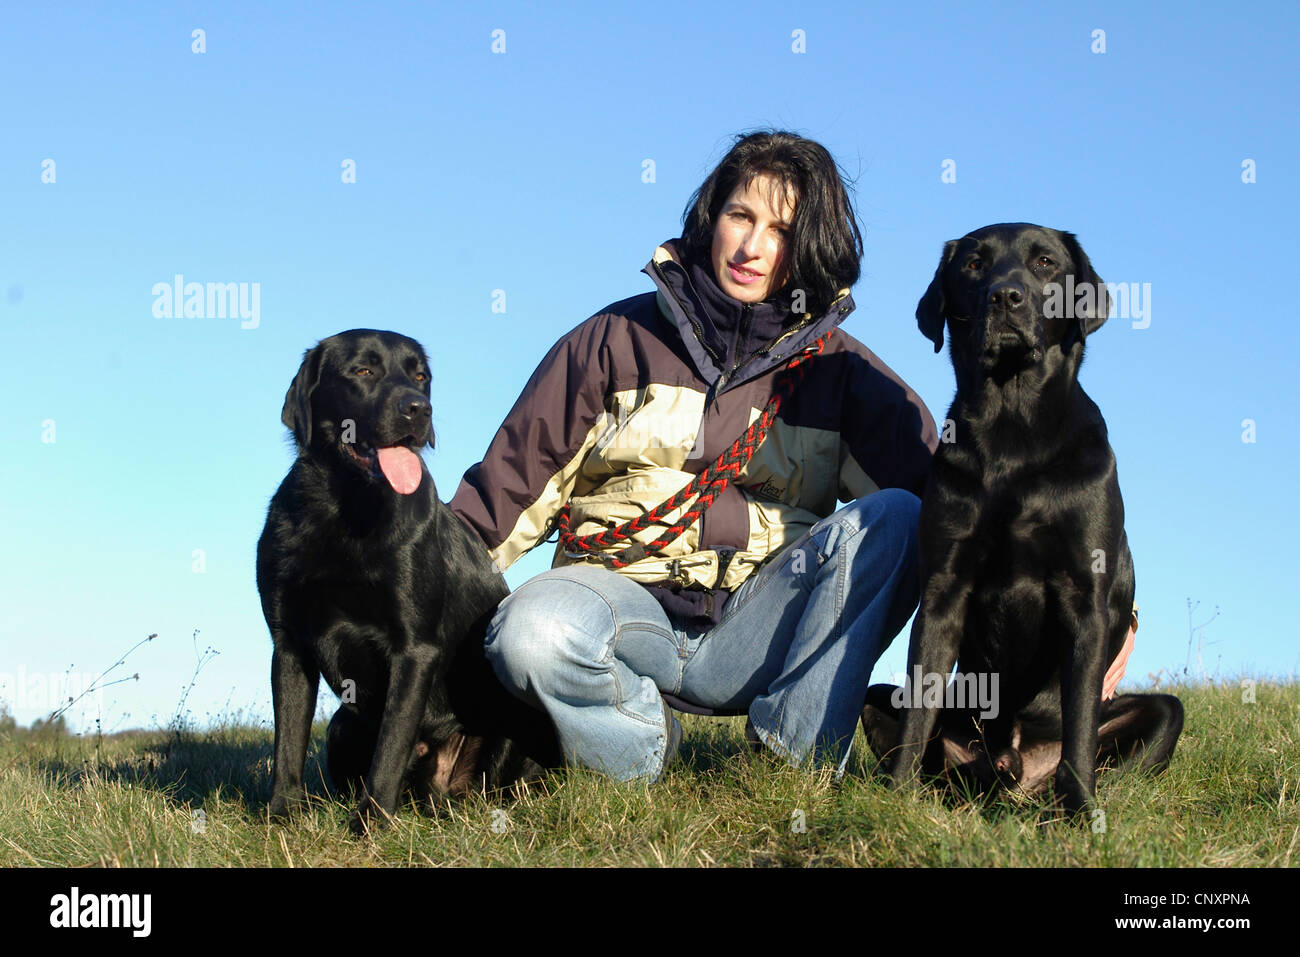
[848, 531]
[684, 659]
[618, 702]
[841, 573]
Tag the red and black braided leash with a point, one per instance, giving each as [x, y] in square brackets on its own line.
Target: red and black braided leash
[708, 485]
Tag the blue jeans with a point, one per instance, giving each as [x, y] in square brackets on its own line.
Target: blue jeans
[795, 646]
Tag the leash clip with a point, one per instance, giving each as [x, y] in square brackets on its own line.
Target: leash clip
[625, 556]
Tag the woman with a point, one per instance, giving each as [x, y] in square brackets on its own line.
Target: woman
[770, 601]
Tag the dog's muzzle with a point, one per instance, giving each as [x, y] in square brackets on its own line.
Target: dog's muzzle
[1010, 348]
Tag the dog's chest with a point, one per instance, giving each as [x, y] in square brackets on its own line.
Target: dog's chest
[1004, 525]
[1001, 535]
[1005, 532]
[360, 592]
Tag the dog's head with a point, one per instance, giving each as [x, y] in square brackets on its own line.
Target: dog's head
[362, 396]
[1013, 297]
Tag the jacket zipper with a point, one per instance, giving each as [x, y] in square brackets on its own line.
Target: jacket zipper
[746, 316]
[763, 352]
[699, 330]
[788, 333]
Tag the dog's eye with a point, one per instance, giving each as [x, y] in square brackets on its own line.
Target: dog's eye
[361, 370]
[975, 264]
[1045, 262]
[420, 377]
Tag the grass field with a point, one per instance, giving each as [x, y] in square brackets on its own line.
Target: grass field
[197, 799]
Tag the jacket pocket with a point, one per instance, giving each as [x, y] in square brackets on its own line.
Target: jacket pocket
[627, 497]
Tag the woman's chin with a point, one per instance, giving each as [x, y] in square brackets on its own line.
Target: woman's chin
[751, 293]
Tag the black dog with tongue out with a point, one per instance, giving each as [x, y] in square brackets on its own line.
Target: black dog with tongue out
[367, 578]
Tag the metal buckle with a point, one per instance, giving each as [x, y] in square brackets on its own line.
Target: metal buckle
[677, 573]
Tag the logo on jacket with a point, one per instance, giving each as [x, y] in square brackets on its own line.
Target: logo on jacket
[769, 490]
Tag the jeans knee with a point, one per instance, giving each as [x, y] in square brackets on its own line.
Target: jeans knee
[892, 514]
[545, 628]
[894, 504]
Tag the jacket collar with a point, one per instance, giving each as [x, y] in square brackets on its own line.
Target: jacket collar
[719, 331]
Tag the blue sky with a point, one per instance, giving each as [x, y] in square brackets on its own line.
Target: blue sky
[522, 171]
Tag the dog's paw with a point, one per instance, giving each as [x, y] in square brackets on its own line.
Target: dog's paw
[1073, 797]
[368, 817]
[905, 779]
[907, 768]
[284, 806]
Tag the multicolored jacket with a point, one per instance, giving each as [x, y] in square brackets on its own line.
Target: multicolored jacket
[628, 407]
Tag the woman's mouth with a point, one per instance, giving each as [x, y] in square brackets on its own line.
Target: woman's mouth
[743, 275]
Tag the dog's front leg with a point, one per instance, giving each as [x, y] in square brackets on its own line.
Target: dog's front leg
[932, 652]
[294, 682]
[1083, 666]
[408, 692]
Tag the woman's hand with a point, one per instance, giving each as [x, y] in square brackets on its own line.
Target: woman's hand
[1116, 670]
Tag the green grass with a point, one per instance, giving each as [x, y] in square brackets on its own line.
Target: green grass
[1230, 798]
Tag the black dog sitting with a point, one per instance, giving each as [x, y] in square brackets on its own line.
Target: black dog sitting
[1025, 566]
[367, 578]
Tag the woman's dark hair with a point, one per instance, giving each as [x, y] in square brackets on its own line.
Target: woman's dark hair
[825, 253]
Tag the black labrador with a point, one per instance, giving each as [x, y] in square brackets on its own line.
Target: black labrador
[368, 578]
[1027, 579]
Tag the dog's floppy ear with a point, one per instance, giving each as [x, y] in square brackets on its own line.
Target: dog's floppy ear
[1096, 306]
[296, 414]
[932, 309]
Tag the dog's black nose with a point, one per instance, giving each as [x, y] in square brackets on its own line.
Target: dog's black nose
[415, 408]
[1006, 295]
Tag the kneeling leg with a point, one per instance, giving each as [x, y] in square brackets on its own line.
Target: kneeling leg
[1141, 730]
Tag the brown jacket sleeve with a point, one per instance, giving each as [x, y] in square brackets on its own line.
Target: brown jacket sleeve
[890, 440]
[532, 464]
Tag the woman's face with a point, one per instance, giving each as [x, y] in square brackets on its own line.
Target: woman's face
[751, 240]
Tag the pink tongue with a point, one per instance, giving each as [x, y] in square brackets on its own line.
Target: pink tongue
[401, 467]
